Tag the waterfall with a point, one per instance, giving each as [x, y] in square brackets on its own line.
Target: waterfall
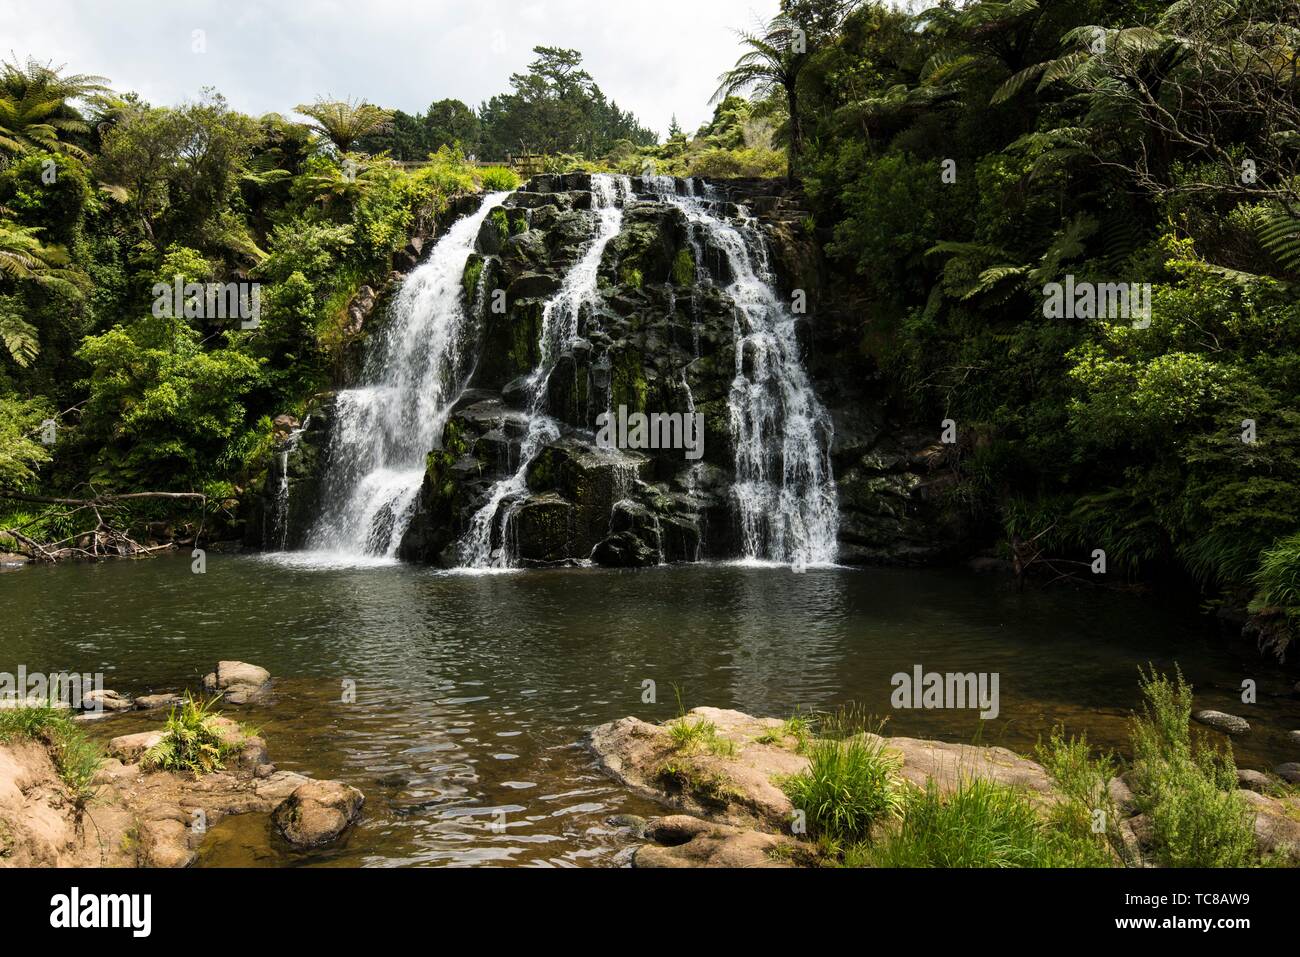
[784, 491]
[280, 514]
[559, 329]
[384, 429]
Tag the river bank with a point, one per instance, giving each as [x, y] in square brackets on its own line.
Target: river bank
[762, 792]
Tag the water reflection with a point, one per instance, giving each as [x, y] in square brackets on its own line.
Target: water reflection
[472, 692]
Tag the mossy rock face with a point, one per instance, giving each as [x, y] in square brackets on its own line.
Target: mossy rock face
[510, 343]
[628, 385]
[469, 280]
[542, 530]
[684, 268]
[645, 249]
[592, 480]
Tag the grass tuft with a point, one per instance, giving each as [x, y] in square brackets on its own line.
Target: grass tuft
[75, 756]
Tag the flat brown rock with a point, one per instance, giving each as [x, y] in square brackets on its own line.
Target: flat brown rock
[684, 841]
[737, 788]
[948, 765]
[139, 817]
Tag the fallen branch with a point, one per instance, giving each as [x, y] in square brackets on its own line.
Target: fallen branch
[107, 539]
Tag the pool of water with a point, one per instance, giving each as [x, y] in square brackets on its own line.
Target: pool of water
[472, 693]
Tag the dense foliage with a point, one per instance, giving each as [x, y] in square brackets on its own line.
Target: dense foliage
[962, 159]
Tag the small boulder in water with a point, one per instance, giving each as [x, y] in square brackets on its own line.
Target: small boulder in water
[151, 702]
[239, 681]
[1222, 721]
[105, 701]
[1289, 772]
[317, 812]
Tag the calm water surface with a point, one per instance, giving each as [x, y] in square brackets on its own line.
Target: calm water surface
[473, 692]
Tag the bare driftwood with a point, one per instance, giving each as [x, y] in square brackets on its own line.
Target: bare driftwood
[105, 532]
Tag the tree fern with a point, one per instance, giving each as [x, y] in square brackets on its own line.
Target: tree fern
[1279, 233]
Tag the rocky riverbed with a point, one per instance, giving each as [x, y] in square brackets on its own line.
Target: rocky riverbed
[135, 815]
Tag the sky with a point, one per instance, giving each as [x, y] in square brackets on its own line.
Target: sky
[654, 57]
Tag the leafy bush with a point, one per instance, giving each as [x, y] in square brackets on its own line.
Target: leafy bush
[1187, 788]
[733, 163]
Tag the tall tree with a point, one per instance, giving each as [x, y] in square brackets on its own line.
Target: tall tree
[775, 58]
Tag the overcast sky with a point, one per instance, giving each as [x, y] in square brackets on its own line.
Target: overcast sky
[655, 57]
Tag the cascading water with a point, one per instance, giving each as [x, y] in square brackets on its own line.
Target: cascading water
[559, 329]
[784, 491]
[383, 430]
[280, 515]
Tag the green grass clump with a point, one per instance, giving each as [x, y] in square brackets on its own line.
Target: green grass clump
[1187, 788]
[848, 787]
[75, 756]
[798, 727]
[496, 179]
[700, 734]
[981, 824]
[191, 741]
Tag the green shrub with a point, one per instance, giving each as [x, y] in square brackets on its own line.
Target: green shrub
[191, 741]
[1081, 781]
[496, 179]
[1187, 788]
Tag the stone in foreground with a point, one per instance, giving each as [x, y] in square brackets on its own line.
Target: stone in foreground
[684, 841]
[318, 812]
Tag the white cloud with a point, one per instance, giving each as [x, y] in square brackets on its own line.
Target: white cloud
[655, 58]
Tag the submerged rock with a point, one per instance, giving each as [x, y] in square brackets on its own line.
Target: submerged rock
[1221, 721]
[106, 701]
[151, 702]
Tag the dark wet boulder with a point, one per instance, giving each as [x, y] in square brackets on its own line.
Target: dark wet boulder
[1221, 721]
[541, 530]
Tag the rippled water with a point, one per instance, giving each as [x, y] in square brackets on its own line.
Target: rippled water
[473, 691]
